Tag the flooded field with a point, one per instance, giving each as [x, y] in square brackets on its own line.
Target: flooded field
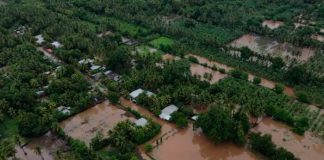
[199, 70]
[303, 147]
[48, 145]
[100, 118]
[267, 46]
[188, 144]
[170, 57]
[272, 24]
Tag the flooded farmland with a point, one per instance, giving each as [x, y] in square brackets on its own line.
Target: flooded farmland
[199, 70]
[188, 144]
[303, 147]
[217, 76]
[100, 118]
[48, 145]
[267, 46]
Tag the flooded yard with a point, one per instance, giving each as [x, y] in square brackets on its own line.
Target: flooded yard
[170, 57]
[100, 118]
[188, 144]
[318, 37]
[272, 24]
[267, 46]
[303, 147]
[48, 145]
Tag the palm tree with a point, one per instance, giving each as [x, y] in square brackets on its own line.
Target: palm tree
[38, 151]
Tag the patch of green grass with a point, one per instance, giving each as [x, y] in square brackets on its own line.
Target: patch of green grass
[8, 128]
[127, 28]
[161, 41]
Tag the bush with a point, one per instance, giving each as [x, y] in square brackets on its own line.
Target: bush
[113, 97]
[193, 59]
[239, 74]
[303, 97]
[180, 119]
[222, 70]
[148, 148]
[256, 80]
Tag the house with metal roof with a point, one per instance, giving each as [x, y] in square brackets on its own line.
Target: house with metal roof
[133, 95]
[167, 112]
[142, 122]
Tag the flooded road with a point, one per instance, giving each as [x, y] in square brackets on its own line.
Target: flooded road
[100, 118]
[48, 145]
[303, 147]
[186, 144]
[267, 46]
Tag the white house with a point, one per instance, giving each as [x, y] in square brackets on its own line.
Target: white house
[194, 117]
[142, 122]
[167, 111]
[39, 39]
[133, 95]
[57, 44]
[86, 61]
[95, 67]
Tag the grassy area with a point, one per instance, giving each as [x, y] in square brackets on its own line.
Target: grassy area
[8, 129]
[127, 28]
[161, 41]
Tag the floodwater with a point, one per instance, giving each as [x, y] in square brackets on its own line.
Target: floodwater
[48, 144]
[318, 37]
[169, 57]
[187, 144]
[100, 118]
[272, 24]
[267, 46]
[200, 70]
[303, 147]
[197, 69]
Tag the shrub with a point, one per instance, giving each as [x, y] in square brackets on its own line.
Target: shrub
[256, 80]
[148, 148]
[113, 97]
[279, 88]
[193, 59]
[303, 97]
[222, 70]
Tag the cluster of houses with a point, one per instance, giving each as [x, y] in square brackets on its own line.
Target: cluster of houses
[40, 40]
[99, 71]
[166, 113]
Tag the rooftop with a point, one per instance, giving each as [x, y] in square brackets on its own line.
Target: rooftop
[141, 122]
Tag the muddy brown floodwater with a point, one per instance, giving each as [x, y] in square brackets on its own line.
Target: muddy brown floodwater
[272, 24]
[197, 69]
[187, 144]
[200, 70]
[304, 147]
[100, 118]
[267, 46]
[318, 37]
[48, 144]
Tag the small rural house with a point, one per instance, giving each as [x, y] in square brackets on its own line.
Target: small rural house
[142, 122]
[167, 111]
[64, 110]
[56, 44]
[133, 95]
[39, 39]
[113, 76]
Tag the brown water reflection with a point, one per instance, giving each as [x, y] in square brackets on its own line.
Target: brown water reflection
[100, 118]
[318, 37]
[304, 147]
[193, 145]
[267, 46]
[48, 144]
[187, 144]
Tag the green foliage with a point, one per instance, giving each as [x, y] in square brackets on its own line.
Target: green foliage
[256, 80]
[265, 146]
[180, 119]
[6, 149]
[303, 97]
[220, 125]
[239, 74]
[148, 148]
[279, 88]
[113, 97]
